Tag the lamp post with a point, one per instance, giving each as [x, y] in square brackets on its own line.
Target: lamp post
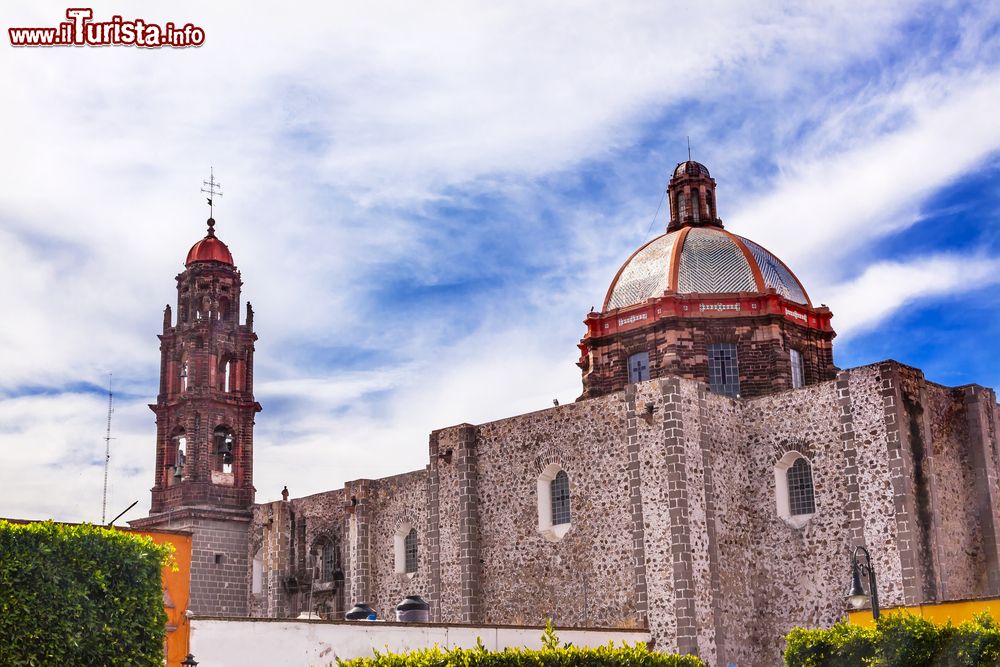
[857, 596]
[189, 661]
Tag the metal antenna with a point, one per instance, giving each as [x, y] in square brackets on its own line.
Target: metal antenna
[689, 149]
[214, 190]
[107, 452]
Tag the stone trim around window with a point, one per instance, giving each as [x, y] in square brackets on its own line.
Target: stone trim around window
[399, 548]
[552, 533]
[781, 490]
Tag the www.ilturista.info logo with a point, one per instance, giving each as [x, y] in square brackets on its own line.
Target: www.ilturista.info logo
[80, 30]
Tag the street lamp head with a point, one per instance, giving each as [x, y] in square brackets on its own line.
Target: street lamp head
[857, 596]
[189, 661]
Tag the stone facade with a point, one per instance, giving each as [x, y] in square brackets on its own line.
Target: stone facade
[674, 523]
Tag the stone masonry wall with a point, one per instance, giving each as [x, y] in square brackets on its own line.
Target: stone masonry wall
[219, 567]
[957, 531]
[674, 521]
[397, 502]
[588, 577]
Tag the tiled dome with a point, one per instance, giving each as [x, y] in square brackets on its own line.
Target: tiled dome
[703, 260]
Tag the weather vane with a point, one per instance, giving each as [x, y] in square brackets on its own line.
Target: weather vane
[214, 190]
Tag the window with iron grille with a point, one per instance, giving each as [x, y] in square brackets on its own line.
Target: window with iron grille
[560, 498]
[723, 369]
[410, 549]
[798, 376]
[329, 560]
[638, 367]
[800, 488]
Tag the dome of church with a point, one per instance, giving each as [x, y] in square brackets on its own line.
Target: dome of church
[691, 168]
[702, 260]
[209, 249]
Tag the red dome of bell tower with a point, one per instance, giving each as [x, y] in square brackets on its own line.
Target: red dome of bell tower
[209, 249]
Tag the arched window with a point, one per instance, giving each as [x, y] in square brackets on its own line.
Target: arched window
[681, 206]
[560, 498]
[794, 490]
[410, 547]
[405, 550]
[710, 204]
[328, 552]
[798, 372]
[224, 443]
[185, 375]
[695, 205]
[179, 446]
[800, 488]
[554, 516]
[225, 376]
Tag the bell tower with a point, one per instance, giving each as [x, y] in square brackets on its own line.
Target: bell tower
[205, 409]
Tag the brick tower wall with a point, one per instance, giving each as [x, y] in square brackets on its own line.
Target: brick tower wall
[680, 348]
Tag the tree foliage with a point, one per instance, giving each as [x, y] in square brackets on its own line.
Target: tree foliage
[80, 595]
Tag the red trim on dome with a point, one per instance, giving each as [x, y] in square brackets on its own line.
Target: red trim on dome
[754, 267]
[674, 267]
[790, 272]
[735, 306]
[209, 249]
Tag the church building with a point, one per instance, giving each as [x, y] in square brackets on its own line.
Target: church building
[709, 484]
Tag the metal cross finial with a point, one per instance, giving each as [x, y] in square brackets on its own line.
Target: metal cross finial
[214, 190]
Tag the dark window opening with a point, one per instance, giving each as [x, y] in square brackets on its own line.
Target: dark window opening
[560, 498]
[801, 499]
[224, 444]
[410, 551]
[798, 372]
[723, 369]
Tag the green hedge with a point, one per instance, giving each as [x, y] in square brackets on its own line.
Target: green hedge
[551, 655]
[897, 640]
[80, 595]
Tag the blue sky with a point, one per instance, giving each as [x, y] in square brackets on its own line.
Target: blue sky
[426, 201]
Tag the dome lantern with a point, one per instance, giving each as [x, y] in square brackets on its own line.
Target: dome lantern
[692, 197]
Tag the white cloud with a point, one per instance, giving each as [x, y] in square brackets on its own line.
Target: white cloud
[886, 287]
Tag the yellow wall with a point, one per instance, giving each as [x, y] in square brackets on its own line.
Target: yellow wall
[940, 613]
[177, 591]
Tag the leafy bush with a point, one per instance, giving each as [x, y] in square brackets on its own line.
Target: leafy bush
[551, 655]
[80, 595]
[897, 640]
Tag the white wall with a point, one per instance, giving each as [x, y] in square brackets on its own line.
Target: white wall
[293, 643]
